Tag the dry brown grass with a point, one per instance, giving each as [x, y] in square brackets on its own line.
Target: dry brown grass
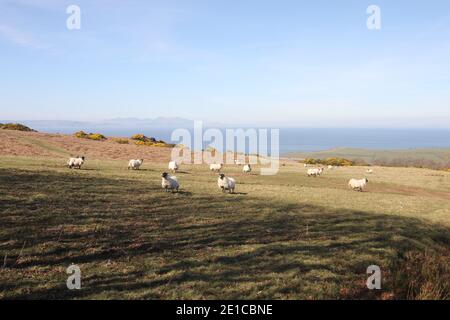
[44, 144]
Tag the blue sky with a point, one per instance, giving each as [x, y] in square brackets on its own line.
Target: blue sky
[286, 63]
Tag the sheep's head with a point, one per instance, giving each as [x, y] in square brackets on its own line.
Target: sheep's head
[367, 180]
[164, 175]
[142, 160]
[221, 176]
[82, 158]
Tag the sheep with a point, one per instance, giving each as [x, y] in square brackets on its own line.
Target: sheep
[173, 166]
[215, 167]
[237, 162]
[369, 171]
[226, 183]
[357, 185]
[314, 172]
[76, 162]
[135, 164]
[247, 169]
[169, 183]
[330, 167]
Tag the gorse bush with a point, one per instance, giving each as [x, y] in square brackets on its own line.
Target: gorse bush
[330, 161]
[81, 134]
[142, 140]
[96, 136]
[16, 126]
[141, 137]
[91, 136]
[159, 143]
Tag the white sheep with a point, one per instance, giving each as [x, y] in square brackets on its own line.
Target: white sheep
[369, 171]
[173, 166]
[215, 166]
[358, 184]
[237, 162]
[76, 162]
[314, 172]
[169, 183]
[135, 164]
[226, 183]
[330, 167]
[247, 169]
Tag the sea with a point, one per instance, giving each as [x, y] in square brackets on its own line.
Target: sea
[293, 140]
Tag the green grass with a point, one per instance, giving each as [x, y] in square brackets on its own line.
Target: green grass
[283, 237]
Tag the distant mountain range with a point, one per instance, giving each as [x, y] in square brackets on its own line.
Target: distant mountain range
[117, 123]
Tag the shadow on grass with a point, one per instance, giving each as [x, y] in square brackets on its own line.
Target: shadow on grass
[204, 246]
[182, 172]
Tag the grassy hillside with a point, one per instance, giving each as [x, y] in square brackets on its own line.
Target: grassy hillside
[285, 236]
[432, 158]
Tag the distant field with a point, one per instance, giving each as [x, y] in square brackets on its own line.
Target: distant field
[283, 237]
[415, 157]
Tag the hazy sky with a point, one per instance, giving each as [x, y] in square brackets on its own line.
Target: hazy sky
[305, 63]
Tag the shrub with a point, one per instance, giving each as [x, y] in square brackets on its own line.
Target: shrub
[140, 143]
[310, 161]
[91, 136]
[121, 141]
[141, 137]
[142, 140]
[338, 162]
[16, 126]
[153, 144]
[81, 134]
[330, 161]
[96, 136]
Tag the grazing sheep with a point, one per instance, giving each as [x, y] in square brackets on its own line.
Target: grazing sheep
[247, 169]
[226, 183]
[169, 183]
[237, 162]
[135, 164]
[369, 171]
[330, 167]
[76, 162]
[215, 166]
[173, 166]
[357, 185]
[314, 172]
